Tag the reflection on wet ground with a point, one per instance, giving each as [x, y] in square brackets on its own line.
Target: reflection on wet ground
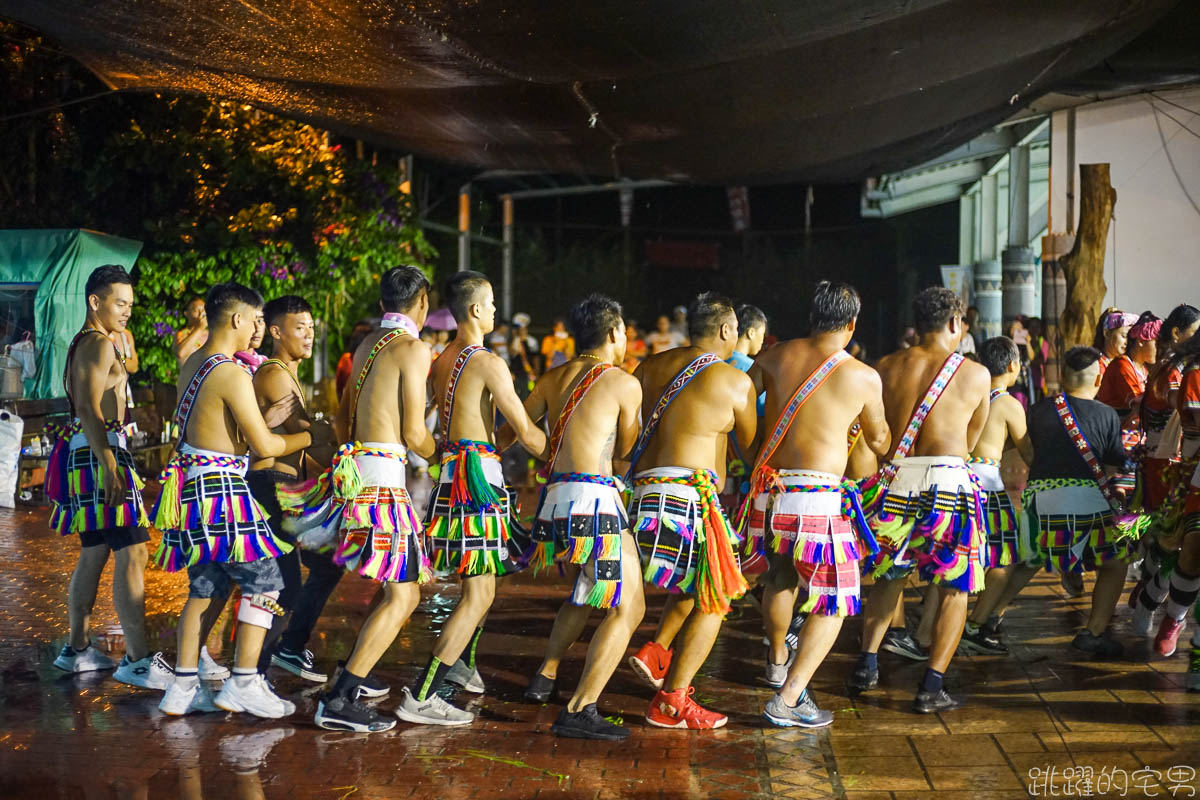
[1041, 708]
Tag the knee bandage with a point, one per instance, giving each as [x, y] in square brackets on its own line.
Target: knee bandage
[260, 609]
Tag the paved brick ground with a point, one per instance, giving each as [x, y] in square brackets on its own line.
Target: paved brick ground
[1041, 708]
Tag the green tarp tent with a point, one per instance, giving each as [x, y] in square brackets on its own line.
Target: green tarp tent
[57, 263]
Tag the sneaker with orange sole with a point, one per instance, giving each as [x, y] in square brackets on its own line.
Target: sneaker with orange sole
[677, 709]
[651, 663]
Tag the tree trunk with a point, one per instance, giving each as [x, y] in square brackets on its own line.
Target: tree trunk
[1083, 267]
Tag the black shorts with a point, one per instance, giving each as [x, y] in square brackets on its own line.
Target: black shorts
[115, 538]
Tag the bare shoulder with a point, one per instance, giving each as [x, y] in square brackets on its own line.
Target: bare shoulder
[271, 379]
[977, 373]
[494, 364]
[624, 382]
[732, 377]
[1009, 406]
[864, 374]
[95, 348]
[891, 360]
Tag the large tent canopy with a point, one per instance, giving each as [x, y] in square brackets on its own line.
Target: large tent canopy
[721, 91]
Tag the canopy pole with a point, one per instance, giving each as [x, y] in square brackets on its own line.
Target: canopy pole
[506, 274]
[464, 228]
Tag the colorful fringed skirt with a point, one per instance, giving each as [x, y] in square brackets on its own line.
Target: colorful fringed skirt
[580, 520]
[211, 516]
[76, 489]
[472, 527]
[380, 534]
[930, 518]
[685, 541]
[1002, 534]
[1070, 526]
[816, 520]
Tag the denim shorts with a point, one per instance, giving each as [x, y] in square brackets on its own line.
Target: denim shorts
[212, 579]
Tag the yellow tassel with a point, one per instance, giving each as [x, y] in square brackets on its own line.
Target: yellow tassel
[167, 516]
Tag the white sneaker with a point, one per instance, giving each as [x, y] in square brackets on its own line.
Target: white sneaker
[1142, 621]
[87, 660]
[151, 672]
[248, 751]
[254, 697]
[467, 678]
[210, 670]
[433, 710]
[178, 700]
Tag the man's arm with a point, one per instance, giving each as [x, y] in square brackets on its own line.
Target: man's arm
[124, 343]
[630, 397]
[981, 384]
[272, 385]
[745, 413]
[414, 375]
[190, 344]
[500, 383]
[756, 377]
[238, 393]
[91, 366]
[1018, 429]
[875, 432]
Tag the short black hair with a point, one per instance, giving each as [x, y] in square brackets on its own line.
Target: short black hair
[748, 316]
[934, 307]
[707, 312]
[1181, 317]
[997, 353]
[1079, 359]
[280, 307]
[401, 287]
[104, 277]
[461, 291]
[591, 320]
[224, 296]
[834, 306]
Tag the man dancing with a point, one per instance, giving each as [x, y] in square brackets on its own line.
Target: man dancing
[800, 508]
[691, 403]
[94, 491]
[471, 518]
[927, 511]
[594, 406]
[210, 522]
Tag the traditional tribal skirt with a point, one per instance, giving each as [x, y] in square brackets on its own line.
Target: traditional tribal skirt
[1002, 535]
[207, 514]
[816, 519]
[76, 492]
[931, 518]
[580, 520]
[471, 527]
[1068, 525]
[685, 540]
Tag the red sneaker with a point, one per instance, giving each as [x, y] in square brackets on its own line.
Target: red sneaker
[1168, 636]
[651, 663]
[677, 709]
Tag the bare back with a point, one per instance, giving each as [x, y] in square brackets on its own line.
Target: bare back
[473, 416]
[604, 424]
[693, 431]
[817, 437]
[953, 426]
[212, 424]
[1005, 421]
[378, 408]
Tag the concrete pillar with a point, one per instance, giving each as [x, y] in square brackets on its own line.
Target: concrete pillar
[1020, 275]
[966, 228]
[506, 274]
[464, 228]
[987, 269]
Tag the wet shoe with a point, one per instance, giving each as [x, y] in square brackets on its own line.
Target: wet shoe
[433, 710]
[151, 672]
[210, 670]
[977, 641]
[540, 689]
[87, 660]
[804, 714]
[253, 696]
[300, 664]
[994, 626]
[588, 724]
[677, 709]
[1072, 583]
[1142, 620]
[932, 702]
[246, 752]
[342, 714]
[793, 634]
[775, 674]
[1168, 636]
[901, 642]
[651, 663]
[178, 700]
[371, 688]
[466, 678]
[863, 679]
[1102, 646]
[1193, 673]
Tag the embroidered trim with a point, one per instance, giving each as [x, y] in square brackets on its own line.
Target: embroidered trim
[698, 365]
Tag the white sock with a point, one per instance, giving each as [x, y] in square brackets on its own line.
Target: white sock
[244, 677]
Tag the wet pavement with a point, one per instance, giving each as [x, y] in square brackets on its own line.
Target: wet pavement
[1041, 721]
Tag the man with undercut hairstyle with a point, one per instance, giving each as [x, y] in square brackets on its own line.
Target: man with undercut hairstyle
[472, 515]
[211, 524]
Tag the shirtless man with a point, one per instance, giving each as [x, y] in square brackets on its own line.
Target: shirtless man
[194, 334]
[1005, 423]
[94, 490]
[928, 513]
[691, 402]
[471, 514]
[210, 523]
[594, 406]
[362, 499]
[804, 513]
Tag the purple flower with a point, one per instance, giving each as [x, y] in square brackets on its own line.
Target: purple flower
[163, 329]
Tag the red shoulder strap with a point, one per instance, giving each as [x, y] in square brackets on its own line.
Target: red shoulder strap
[577, 394]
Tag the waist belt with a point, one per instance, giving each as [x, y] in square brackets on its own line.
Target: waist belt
[989, 462]
[582, 477]
[469, 487]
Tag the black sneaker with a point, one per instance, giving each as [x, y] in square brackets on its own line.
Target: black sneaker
[901, 642]
[978, 641]
[371, 687]
[540, 689]
[1102, 646]
[994, 626]
[793, 634]
[1072, 583]
[588, 724]
[932, 702]
[341, 714]
[863, 679]
[300, 664]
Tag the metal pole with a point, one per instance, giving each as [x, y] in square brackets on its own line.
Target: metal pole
[464, 228]
[506, 273]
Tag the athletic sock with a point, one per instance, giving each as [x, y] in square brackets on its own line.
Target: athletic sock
[347, 684]
[1155, 591]
[932, 682]
[1183, 593]
[468, 657]
[868, 660]
[971, 627]
[432, 678]
[243, 675]
[187, 678]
